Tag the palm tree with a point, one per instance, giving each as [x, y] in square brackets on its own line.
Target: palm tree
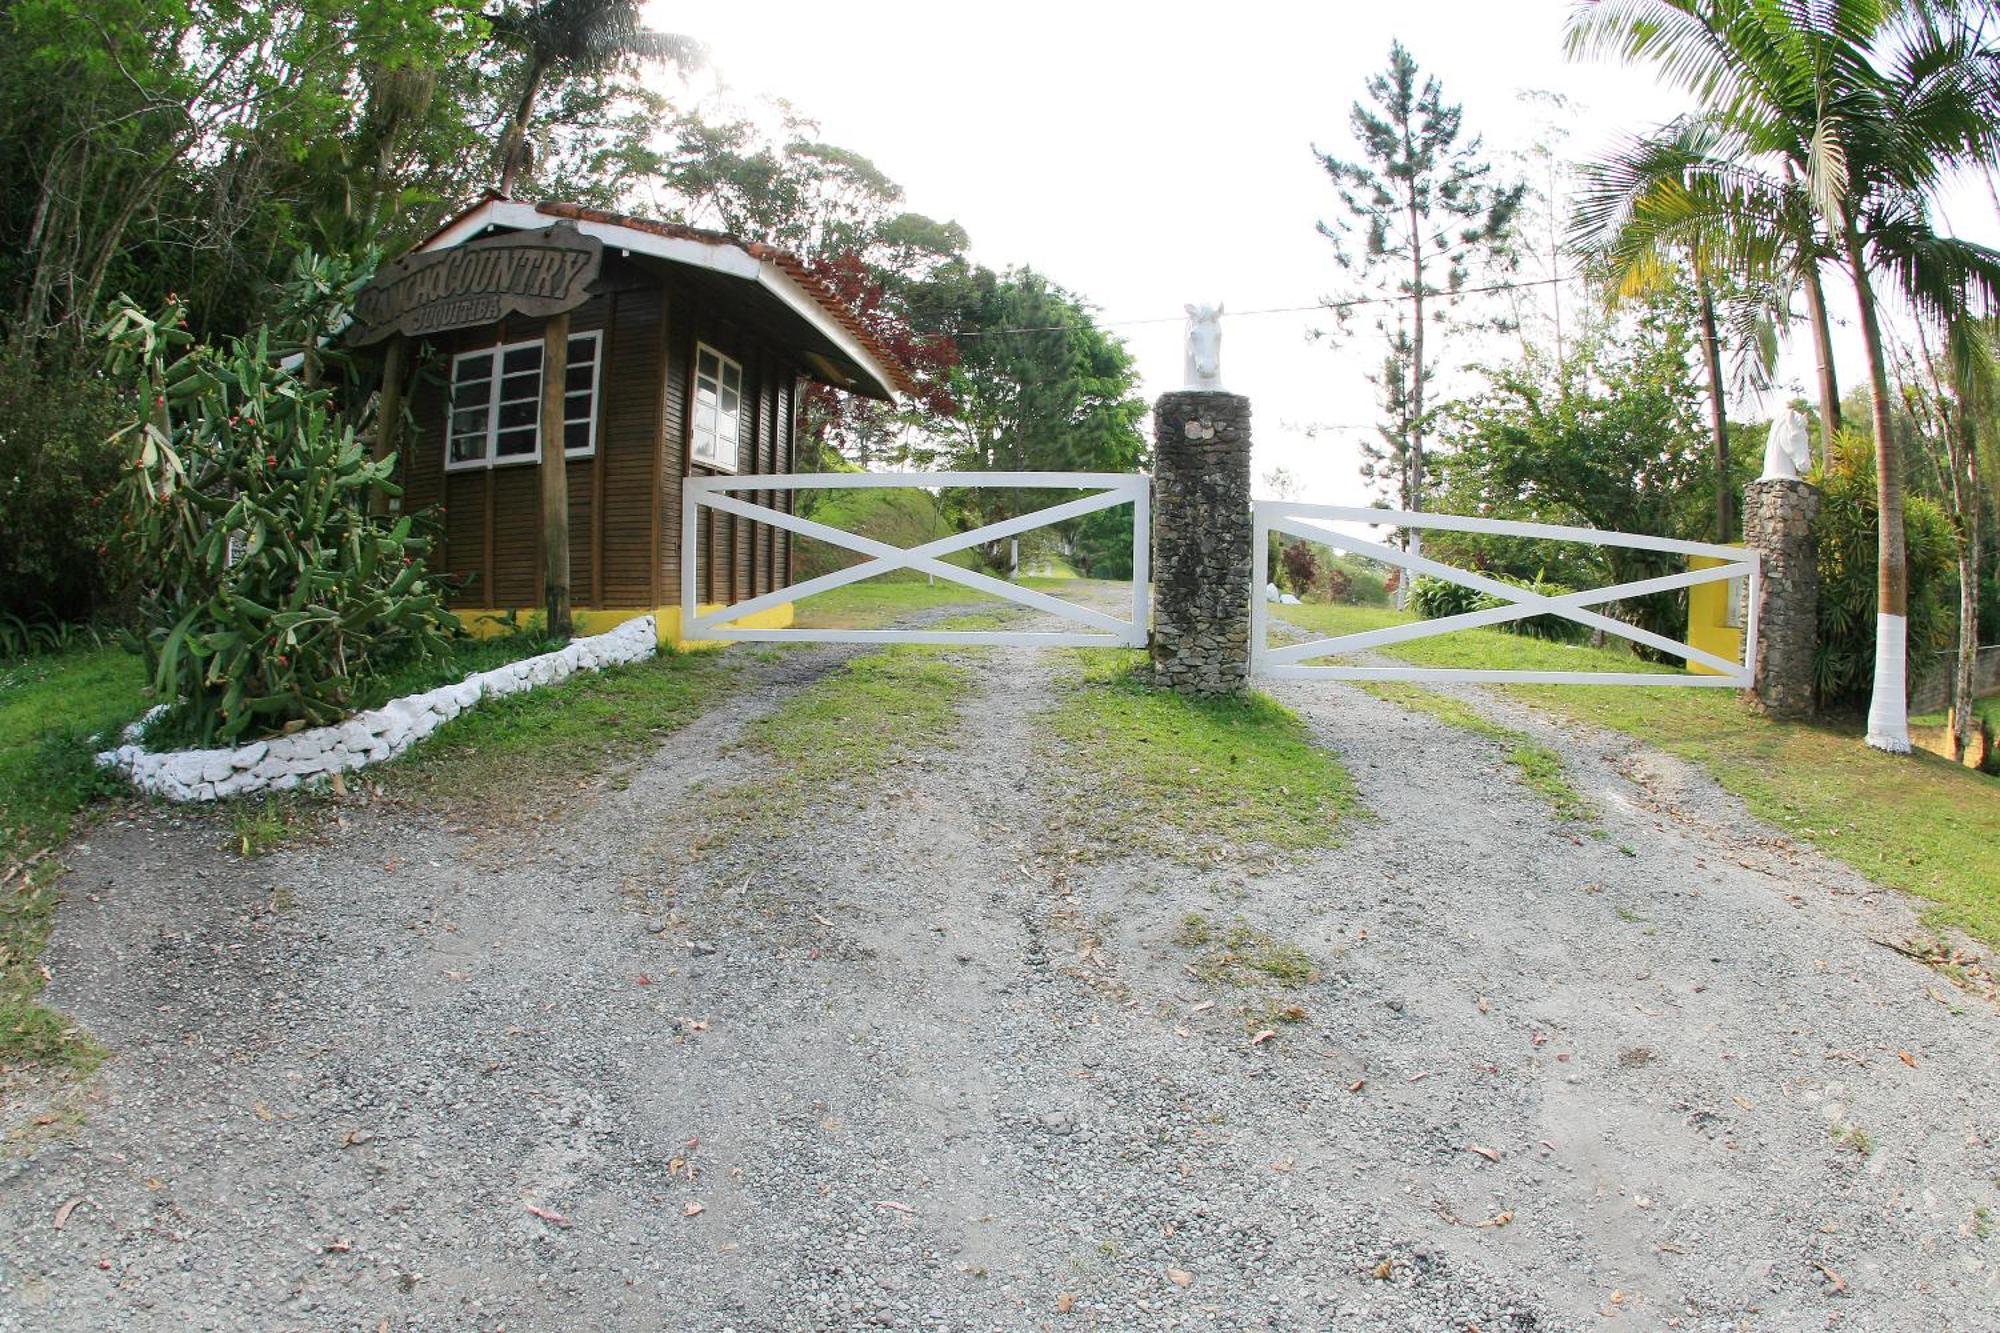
[1665, 198]
[581, 37]
[1679, 193]
[1871, 103]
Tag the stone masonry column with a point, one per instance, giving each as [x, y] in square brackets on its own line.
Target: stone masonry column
[1202, 555]
[1777, 521]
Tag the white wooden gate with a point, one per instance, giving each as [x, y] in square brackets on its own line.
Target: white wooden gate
[1316, 523]
[1106, 631]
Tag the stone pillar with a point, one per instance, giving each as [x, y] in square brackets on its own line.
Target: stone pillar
[1202, 556]
[1777, 521]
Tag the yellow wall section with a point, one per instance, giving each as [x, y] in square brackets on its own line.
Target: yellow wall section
[489, 624]
[1708, 618]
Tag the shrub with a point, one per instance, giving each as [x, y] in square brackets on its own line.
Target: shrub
[58, 472]
[1301, 567]
[269, 593]
[1339, 585]
[1435, 598]
[1847, 529]
[1365, 584]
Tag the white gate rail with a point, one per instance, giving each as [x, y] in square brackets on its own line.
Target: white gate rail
[1315, 523]
[1112, 489]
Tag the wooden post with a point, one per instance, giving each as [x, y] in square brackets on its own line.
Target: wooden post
[389, 414]
[555, 477]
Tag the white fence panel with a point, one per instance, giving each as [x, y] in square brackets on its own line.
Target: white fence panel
[1112, 489]
[1316, 523]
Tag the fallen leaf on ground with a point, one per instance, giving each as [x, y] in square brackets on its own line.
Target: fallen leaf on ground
[1419, 1076]
[1488, 1153]
[1180, 1277]
[1065, 1301]
[643, 979]
[547, 1214]
[1262, 1037]
[263, 1112]
[1744, 1102]
[1383, 1269]
[1205, 1004]
[1357, 1085]
[894, 1206]
[1499, 1219]
[1835, 1280]
[1482, 1006]
[65, 1209]
[694, 1208]
[1284, 1164]
[1538, 1038]
[1907, 1058]
[338, 1245]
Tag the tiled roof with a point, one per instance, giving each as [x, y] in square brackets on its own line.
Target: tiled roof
[823, 295]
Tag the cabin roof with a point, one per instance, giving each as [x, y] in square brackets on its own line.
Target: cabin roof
[839, 348]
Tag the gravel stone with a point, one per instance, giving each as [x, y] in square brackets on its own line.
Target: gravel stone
[347, 1110]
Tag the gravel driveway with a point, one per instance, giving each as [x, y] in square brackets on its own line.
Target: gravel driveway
[906, 1065]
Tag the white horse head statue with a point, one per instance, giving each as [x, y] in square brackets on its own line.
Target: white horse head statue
[1204, 347]
[1787, 452]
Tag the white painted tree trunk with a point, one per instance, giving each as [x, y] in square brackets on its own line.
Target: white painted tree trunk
[1888, 707]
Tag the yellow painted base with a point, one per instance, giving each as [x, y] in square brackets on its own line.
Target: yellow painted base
[1708, 618]
[1938, 741]
[492, 624]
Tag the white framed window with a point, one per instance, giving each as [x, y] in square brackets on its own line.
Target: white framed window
[716, 427]
[496, 403]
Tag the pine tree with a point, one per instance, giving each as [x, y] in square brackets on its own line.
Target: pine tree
[1420, 211]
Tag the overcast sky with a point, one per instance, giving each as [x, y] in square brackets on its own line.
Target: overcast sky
[1149, 156]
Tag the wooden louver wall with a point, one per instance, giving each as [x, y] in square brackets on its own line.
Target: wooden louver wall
[625, 500]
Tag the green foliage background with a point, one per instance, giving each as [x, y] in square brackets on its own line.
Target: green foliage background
[60, 557]
[1846, 530]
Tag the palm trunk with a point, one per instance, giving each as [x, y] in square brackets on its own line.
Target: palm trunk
[513, 145]
[1888, 705]
[1718, 419]
[1829, 389]
[1963, 444]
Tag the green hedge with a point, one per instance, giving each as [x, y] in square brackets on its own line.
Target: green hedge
[1846, 529]
[1435, 598]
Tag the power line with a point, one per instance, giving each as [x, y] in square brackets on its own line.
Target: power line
[1283, 309]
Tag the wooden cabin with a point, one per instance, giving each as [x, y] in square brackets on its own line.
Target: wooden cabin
[687, 353]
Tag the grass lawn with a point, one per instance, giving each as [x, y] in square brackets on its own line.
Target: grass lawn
[1915, 823]
[1190, 778]
[1987, 710]
[518, 753]
[836, 736]
[875, 602]
[50, 708]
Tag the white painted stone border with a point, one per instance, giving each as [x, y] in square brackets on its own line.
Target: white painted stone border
[285, 762]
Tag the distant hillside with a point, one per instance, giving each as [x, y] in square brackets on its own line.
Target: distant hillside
[900, 517]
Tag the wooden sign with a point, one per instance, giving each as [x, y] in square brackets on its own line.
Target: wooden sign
[533, 273]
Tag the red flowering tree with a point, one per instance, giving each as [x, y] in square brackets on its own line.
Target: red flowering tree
[862, 428]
